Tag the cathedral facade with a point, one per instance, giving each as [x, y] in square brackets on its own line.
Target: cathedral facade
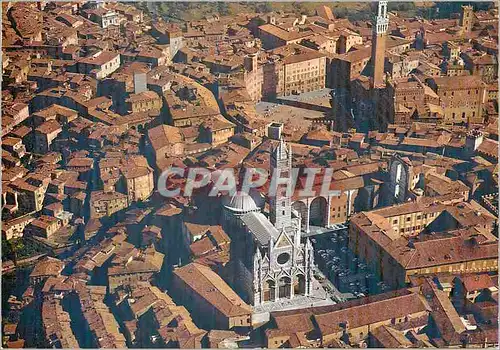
[269, 260]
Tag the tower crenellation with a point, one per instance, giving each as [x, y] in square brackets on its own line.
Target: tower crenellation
[473, 140]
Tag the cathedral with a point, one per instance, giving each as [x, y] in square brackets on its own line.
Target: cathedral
[269, 260]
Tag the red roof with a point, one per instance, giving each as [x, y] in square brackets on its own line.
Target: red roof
[477, 282]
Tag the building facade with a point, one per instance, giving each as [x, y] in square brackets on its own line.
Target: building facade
[269, 260]
[462, 98]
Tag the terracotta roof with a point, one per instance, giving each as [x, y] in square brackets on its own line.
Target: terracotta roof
[103, 58]
[444, 314]
[47, 266]
[49, 127]
[390, 338]
[217, 122]
[143, 96]
[283, 34]
[208, 285]
[459, 82]
[303, 56]
[476, 282]
[489, 147]
[325, 12]
[369, 313]
[164, 135]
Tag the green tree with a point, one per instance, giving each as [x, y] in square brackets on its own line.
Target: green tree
[223, 8]
[264, 7]
[12, 249]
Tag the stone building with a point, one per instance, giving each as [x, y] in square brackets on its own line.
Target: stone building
[45, 268]
[45, 134]
[144, 102]
[45, 226]
[483, 65]
[139, 182]
[30, 193]
[273, 36]
[412, 100]
[425, 237]
[107, 203]
[131, 267]
[367, 102]
[325, 210]
[212, 303]
[347, 67]
[403, 178]
[304, 72]
[351, 324]
[269, 260]
[462, 98]
[216, 130]
[287, 70]
[99, 65]
[103, 17]
[15, 146]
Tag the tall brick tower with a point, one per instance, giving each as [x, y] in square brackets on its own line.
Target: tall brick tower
[467, 18]
[380, 26]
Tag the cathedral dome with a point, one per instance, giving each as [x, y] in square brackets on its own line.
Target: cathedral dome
[241, 202]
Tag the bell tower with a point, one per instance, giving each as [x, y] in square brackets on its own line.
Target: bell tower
[379, 34]
[280, 212]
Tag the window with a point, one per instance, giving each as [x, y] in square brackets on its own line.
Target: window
[395, 221]
[408, 219]
[283, 258]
